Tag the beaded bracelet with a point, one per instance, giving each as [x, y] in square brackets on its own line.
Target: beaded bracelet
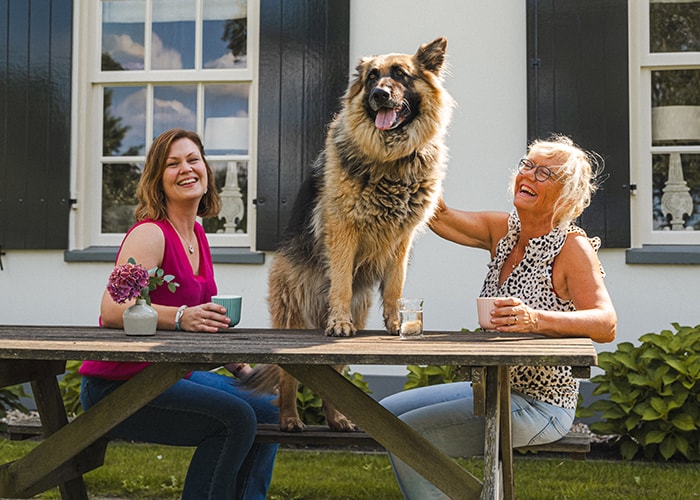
[178, 317]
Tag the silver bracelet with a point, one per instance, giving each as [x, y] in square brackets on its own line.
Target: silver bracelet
[178, 317]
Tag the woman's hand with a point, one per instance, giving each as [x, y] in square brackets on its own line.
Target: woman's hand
[209, 317]
[512, 315]
[240, 370]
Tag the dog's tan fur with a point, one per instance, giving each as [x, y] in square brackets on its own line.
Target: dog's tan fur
[376, 183]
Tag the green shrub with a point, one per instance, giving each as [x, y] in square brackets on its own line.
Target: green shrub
[310, 405]
[653, 390]
[69, 386]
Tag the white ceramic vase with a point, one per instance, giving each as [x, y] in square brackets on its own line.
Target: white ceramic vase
[140, 319]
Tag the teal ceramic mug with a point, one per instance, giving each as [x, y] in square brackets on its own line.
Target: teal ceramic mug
[232, 303]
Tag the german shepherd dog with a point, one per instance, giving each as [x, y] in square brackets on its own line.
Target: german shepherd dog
[375, 183]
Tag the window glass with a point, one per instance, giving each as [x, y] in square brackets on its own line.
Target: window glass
[226, 121]
[123, 23]
[232, 182]
[173, 34]
[674, 26]
[124, 121]
[225, 34]
[676, 191]
[174, 106]
[119, 195]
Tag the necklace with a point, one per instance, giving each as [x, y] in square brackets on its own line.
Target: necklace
[190, 248]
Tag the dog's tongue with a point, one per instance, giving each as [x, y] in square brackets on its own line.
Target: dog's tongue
[385, 118]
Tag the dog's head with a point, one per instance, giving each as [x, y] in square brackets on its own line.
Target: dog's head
[390, 93]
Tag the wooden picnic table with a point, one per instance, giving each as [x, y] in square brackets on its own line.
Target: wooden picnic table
[38, 354]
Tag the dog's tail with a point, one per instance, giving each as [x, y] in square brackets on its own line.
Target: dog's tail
[263, 379]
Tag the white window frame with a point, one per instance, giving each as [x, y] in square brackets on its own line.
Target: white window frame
[642, 63]
[87, 114]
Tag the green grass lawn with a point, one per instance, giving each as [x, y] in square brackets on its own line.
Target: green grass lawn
[140, 471]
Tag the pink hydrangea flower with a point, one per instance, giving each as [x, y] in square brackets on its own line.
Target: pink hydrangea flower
[133, 281]
[127, 282]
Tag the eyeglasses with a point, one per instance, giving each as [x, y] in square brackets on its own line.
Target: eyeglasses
[542, 173]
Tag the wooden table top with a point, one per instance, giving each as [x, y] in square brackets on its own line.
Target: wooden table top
[293, 346]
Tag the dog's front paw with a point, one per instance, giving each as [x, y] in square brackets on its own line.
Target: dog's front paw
[291, 424]
[340, 328]
[340, 423]
[392, 324]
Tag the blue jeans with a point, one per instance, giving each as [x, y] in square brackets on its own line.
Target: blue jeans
[214, 414]
[444, 414]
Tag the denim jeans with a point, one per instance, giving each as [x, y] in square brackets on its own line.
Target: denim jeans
[444, 414]
[213, 413]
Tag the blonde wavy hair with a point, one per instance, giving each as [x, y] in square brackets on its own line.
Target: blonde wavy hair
[150, 192]
[577, 170]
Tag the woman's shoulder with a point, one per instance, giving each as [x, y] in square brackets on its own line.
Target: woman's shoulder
[144, 242]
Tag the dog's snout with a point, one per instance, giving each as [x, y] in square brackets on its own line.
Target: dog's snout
[380, 95]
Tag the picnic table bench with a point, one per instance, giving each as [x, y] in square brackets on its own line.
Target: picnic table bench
[38, 354]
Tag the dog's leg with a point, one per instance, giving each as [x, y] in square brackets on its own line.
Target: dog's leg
[341, 244]
[393, 287]
[289, 415]
[285, 301]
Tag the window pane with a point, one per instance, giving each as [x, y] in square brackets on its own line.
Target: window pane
[225, 34]
[675, 100]
[172, 41]
[123, 34]
[226, 119]
[124, 121]
[674, 26]
[232, 181]
[676, 191]
[119, 182]
[174, 106]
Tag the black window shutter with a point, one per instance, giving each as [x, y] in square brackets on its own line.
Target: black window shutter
[578, 86]
[304, 50]
[35, 90]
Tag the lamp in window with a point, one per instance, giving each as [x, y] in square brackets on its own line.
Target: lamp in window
[673, 125]
[228, 135]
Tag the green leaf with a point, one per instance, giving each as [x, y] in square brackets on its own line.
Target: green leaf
[654, 437]
[684, 422]
[667, 448]
[628, 449]
[682, 445]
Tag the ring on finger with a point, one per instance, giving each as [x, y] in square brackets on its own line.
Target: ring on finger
[515, 319]
[204, 321]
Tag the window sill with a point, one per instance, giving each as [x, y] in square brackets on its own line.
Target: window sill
[663, 254]
[220, 255]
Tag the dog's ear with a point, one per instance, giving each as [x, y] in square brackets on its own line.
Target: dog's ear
[358, 78]
[432, 55]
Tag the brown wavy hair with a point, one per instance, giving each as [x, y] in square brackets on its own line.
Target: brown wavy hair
[150, 191]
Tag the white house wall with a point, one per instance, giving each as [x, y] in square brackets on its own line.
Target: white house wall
[487, 53]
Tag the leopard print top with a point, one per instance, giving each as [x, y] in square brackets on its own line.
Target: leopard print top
[531, 282]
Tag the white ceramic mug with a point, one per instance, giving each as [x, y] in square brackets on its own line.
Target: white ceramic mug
[484, 306]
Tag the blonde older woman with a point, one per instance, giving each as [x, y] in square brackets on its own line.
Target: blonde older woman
[547, 270]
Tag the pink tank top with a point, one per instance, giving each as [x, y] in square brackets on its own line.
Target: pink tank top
[193, 290]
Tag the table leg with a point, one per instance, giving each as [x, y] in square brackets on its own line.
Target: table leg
[491, 435]
[49, 403]
[388, 430]
[20, 478]
[506, 433]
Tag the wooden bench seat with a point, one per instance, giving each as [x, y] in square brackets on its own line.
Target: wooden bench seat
[576, 444]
